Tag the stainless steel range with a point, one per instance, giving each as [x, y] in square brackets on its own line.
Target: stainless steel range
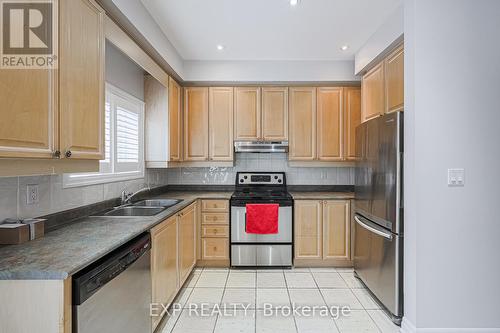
[249, 249]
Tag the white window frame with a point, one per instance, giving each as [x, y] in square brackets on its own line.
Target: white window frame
[113, 94]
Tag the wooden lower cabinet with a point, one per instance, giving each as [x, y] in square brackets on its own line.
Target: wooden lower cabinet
[164, 263]
[322, 232]
[173, 256]
[215, 248]
[336, 231]
[308, 220]
[187, 242]
[215, 231]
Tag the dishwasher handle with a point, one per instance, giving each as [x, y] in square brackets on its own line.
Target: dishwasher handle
[92, 278]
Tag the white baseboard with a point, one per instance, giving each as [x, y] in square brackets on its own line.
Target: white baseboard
[408, 327]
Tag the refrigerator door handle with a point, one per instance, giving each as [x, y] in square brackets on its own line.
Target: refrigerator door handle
[373, 229]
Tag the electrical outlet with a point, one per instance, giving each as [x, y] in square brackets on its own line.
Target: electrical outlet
[32, 194]
[456, 177]
[324, 175]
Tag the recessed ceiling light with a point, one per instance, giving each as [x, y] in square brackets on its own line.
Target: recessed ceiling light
[344, 47]
[294, 2]
[220, 47]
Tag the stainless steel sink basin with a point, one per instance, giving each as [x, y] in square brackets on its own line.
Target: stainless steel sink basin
[134, 211]
[157, 203]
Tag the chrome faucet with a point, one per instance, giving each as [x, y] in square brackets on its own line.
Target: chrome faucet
[127, 197]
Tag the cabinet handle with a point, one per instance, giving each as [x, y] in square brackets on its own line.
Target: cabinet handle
[57, 154]
[215, 231]
[68, 153]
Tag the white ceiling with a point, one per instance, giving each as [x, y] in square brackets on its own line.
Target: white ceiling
[269, 29]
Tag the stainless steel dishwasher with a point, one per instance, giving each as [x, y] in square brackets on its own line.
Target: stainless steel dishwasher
[113, 295]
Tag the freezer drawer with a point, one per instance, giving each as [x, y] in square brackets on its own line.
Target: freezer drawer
[261, 255]
[378, 263]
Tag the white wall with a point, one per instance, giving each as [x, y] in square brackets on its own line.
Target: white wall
[385, 35]
[123, 73]
[452, 249]
[256, 71]
[137, 14]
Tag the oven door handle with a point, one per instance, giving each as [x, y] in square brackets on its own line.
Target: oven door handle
[373, 229]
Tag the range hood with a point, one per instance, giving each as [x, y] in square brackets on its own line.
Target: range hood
[261, 146]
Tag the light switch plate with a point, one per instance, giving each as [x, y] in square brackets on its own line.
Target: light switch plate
[32, 194]
[456, 177]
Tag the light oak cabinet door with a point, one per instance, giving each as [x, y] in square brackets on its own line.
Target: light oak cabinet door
[308, 229]
[247, 113]
[329, 124]
[175, 119]
[196, 124]
[275, 113]
[352, 118]
[336, 234]
[221, 124]
[28, 115]
[394, 80]
[373, 93]
[187, 242]
[215, 248]
[302, 124]
[81, 79]
[164, 263]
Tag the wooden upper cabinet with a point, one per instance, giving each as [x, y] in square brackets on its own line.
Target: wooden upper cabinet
[275, 113]
[175, 119]
[394, 80]
[187, 242]
[329, 123]
[336, 216]
[308, 233]
[352, 118]
[164, 275]
[81, 79]
[28, 115]
[372, 93]
[302, 123]
[247, 113]
[196, 124]
[221, 124]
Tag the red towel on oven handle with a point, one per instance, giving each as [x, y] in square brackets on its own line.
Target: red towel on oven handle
[262, 218]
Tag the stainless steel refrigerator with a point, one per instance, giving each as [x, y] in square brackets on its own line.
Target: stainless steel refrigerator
[378, 218]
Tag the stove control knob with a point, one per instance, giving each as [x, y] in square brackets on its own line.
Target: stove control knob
[246, 177]
[275, 177]
[279, 180]
[241, 180]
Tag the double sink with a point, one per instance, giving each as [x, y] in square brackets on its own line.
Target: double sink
[149, 207]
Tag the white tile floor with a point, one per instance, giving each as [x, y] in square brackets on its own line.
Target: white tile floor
[251, 289]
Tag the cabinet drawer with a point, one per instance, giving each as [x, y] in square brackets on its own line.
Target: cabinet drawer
[215, 231]
[215, 218]
[215, 248]
[215, 205]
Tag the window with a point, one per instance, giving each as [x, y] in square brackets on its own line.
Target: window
[123, 142]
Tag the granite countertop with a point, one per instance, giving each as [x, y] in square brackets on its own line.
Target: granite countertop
[300, 195]
[65, 251]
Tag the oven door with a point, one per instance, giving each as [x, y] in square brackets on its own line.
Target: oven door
[238, 227]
